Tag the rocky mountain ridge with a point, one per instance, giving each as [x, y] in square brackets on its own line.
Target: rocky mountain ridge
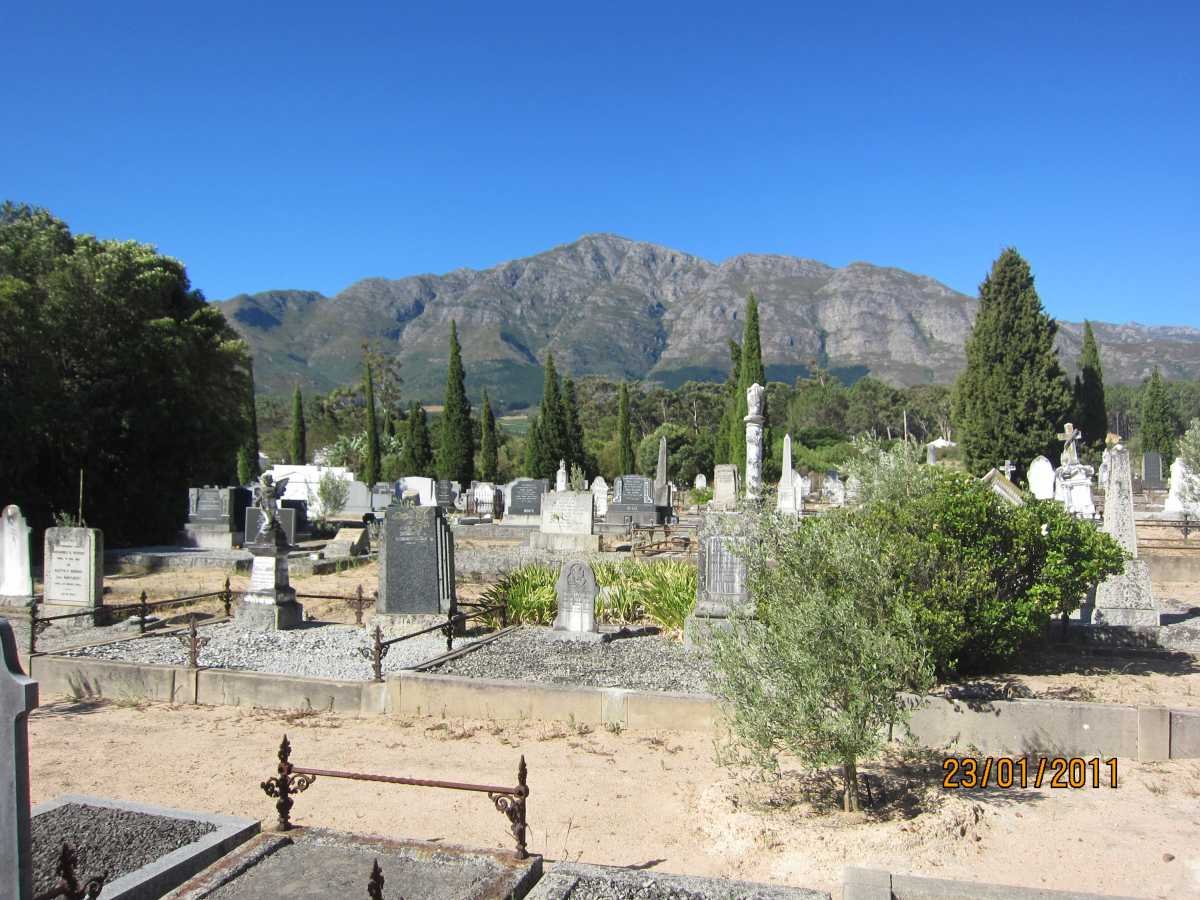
[610, 306]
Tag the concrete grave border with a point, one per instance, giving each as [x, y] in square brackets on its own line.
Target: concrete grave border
[155, 879]
[559, 882]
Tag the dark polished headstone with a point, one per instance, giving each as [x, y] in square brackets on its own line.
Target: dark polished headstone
[633, 502]
[18, 697]
[1152, 471]
[527, 497]
[444, 494]
[218, 505]
[416, 562]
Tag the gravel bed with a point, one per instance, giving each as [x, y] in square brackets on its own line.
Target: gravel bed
[648, 663]
[646, 889]
[316, 650]
[112, 842]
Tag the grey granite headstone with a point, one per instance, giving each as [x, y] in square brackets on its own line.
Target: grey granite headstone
[526, 497]
[1125, 599]
[633, 502]
[576, 592]
[416, 561]
[18, 697]
[287, 521]
[722, 590]
[1152, 471]
[16, 581]
[73, 562]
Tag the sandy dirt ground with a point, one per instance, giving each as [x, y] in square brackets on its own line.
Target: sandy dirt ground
[654, 800]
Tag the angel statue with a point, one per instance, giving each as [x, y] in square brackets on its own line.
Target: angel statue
[267, 494]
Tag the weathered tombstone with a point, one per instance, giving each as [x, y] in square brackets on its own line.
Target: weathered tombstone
[803, 484]
[416, 562]
[73, 563]
[16, 580]
[18, 697]
[576, 593]
[286, 516]
[1125, 599]
[1073, 480]
[1152, 471]
[270, 602]
[788, 501]
[566, 523]
[1041, 478]
[1184, 496]
[662, 491]
[633, 502]
[701, 481]
[833, 491]
[214, 514]
[721, 588]
[600, 496]
[423, 487]
[444, 491]
[755, 395]
[349, 542]
[1003, 488]
[726, 488]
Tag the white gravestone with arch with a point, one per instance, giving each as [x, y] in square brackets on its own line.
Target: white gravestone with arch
[16, 581]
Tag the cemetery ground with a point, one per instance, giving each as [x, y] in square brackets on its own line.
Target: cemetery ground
[655, 800]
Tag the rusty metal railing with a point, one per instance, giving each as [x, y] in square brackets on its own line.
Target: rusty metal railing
[379, 647]
[290, 780]
[69, 886]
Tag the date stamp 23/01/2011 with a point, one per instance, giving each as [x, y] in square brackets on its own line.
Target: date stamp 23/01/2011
[966, 772]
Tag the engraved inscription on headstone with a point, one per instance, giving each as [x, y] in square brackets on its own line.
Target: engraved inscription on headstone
[576, 592]
[527, 496]
[73, 566]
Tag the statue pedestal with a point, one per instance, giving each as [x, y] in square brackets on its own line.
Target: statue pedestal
[754, 454]
[270, 603]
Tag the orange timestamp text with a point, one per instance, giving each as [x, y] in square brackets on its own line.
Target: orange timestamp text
[965, 772]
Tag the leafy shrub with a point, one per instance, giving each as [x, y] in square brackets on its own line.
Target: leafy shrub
[667, 592]
[528, 593]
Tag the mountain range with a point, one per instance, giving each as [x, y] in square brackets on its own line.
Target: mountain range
[624, 309]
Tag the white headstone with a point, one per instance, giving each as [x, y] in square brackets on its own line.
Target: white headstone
[701, 481]
[16, 581]
[1183, 498]
[1041, 478]
[73, 561]
[787, 499]
[424, 488]
[600, 496]
[1125, 599]
[18, 697]
[576, 592]
[803, 484]
[755, 395]
[567, 512]
[725, 486]
[560, 477]
[833, 491]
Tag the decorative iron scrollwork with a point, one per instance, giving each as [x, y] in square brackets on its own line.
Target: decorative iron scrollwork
[375, 884]
[512, 805]
[68, 882]
[285, 784]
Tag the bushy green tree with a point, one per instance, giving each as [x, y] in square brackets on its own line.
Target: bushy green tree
[456, 455]
[487, 441]
[299, 445]
[625, 457]
[1189, 451]
[1091, 416]
[372, 461]
[416, 454]
[1159, 419]
[1013, 397]
[113, 366]
[251, 445]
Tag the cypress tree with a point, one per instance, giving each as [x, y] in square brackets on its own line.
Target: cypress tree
[721, 449]
[625, 457]
[1091, 417]
[532, 447]
[487, 441]
[456, 455]
[551, 444]
[573, 427]
[416, 456]
[252, 438]
[299, 436]
[243, 466]
[1013, 397]
[750, 371]
[372, 463]
[1159, 419]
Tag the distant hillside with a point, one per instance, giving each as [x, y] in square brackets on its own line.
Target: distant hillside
[610, 306]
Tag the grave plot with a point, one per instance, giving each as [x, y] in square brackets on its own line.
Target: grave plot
[579, 881]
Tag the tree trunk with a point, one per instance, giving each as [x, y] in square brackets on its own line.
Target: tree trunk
[850, 791]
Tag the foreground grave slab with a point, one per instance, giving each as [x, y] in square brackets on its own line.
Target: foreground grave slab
[580, 881]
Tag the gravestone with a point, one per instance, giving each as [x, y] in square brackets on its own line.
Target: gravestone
[486, 499]
[1152, 471]
[214, 514]
[566, 523]
[787, 499]
[269, 603]
[633, 502]
[576, 594]
[525, 497]
[1184, 496]
[803, 484]
[721, 587]
[444, 493]
[16, 580]
[662, 490]
[349, 542]
[1072, 479]
[726, 487]
[600, 496]
[1003, 488]
[1125, 599]
[73, 563]
[1040, 478]
[424, 488]
[833, 491]
[416, 562]
[18, 697]
[755, 397]
[701, 481]
[286, 518]
[560, 477]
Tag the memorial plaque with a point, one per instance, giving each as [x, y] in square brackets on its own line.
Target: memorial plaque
[527, 496]
[576, 592]
[74, 566]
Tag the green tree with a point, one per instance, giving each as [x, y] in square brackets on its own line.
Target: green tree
[487, 442]
[416, 455]
[750, 371]
[243, 466]
[456, 455]
[576, 456]
[551, 442]
[533, 447]
[1091, 416]
[1159, 419]
[1189, 450]
[625, 458]
[299, 445]
[372, 461]
[1013, 397]
[724, 451]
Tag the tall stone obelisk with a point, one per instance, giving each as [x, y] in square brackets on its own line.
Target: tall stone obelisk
[755, 395]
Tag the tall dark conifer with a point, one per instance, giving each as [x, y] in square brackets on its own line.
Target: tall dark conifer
[488, 445]
[456, 455]
[299, 433]
[573, 427]
[416, 455]
[625, 452]
[1013, 397]
[1091, 417]
[551, 444]
[251, 445]
[372, 463]
[533, 443]
[722, 452]
[1159, 418]
[750, 371]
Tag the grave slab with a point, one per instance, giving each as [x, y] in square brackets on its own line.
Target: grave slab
[568, 880]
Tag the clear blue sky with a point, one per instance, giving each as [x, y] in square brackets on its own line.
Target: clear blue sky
[307, 146]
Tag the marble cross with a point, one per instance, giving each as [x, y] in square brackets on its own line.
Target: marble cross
[1070, 438]
[1008, 468]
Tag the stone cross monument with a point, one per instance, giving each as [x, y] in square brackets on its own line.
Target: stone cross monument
[1124, 599]
[755, 395]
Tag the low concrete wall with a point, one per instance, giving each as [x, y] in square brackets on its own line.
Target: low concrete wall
[879, 884]
[1185, 734]
[228, 687]
[95, 679]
